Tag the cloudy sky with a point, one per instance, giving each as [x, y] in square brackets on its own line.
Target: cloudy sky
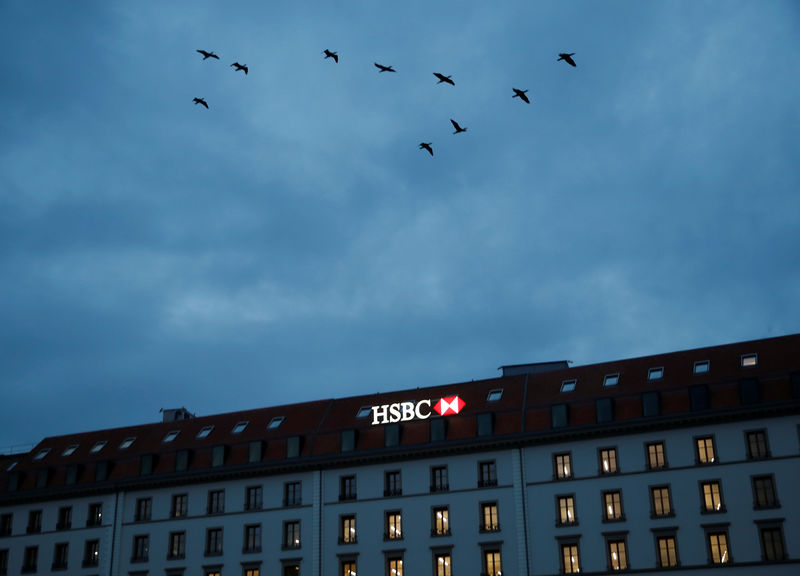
[293, 243]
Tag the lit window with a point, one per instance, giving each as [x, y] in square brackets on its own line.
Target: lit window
[655, 456]
[69, 450]
[562, 464]
[440, 521]
[42, 454]
[347, 533]
[568, 385]
[705, 450]
[494, 395]
[667, 551]
[712, 497]
[395, 567]
[660, 504]
[566, 510]
[490, 521]
[205, 431]
[570, 564]
[364, 412]
[275, 423]
[749, 360]
[702, 367]
[655, 373]
[240, 426]
[394, 526]
[125, 444]
[613, 506]
[611, 380]
[170, 436]
[443, 565]
[98, 446]
[291, 534]
[617, 555]
[491, 563]
[718, 548]
[608, 461]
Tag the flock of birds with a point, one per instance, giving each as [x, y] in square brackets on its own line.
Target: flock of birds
[428, 146]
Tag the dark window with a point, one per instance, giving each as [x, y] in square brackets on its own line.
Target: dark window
[604, 409]
[216, 501]
[485, 424]
[393, 485]
[71, 474]
[772, 544]
[91, 553]
[213, 542]
[291, 534]
[141, 548]
[147, 464]
[252, 538]
[182, 460]
[177, 545]
[293, 446]
[254, 451]
[253, 498]
[698, 398]
[6, 524]
[217, 456]
[95, 517]
[391, 435]
[650, 404]
[180, 505]
[291, 494]
[30, 559]
[60, 558]
[439, 480]
[438, 429]
[34, 522]
[144, 507]
[42, 478]
[348, 440]
[64, 518]
[4, 562]
[347, 487]
[101, 471]
[749, 391]
[757, 446]
[559, 415]
[487, 474]
[764, 495]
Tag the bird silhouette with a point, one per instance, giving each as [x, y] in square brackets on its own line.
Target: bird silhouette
[521, 95]
[382, 68]
[200, 101]
[238, 67]
[207, 55]
[329, 54]
[567, 58]
[426, 146]
[443, 78]
[457, 127]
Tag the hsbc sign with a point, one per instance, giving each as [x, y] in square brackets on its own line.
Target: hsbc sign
[404, 411]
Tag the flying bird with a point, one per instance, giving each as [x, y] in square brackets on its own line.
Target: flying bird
[426, 146]
[521, 95]
[242, 67]
[382, 68]
[443, 78]
[567, 58]
[200, 101]
[329, 54]
[457, 127]
[207, 55]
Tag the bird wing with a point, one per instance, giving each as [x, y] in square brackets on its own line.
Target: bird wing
[455, 124]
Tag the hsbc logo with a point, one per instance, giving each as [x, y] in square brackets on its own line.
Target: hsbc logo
[404, 411]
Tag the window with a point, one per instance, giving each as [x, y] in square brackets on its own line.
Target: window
[439, 481]
[291, 534]
[717, 547]
[570, 563]
[391, 435]
[494, 395]
[69, 450]
[656, 456]
[252, 538]
[749, 360]
[347, 529]
[291, 494]
[702, 367]
[440, 521]
[275, 423]
[610, 380]
[293, 446]
[764, 492]
[218, 456]
[566, 510]
[144, 507]
[712, 496]
[91, 553]
[608, 461]
[491, 563]
[141, 548]
[95, 517]
[348, 440]
[568, 385]
[490, 521]
[98, 446]
[392, 483]
[246, 571]
[617, 553]
[253, 498]
[254, 450]
[772, 544]
[125, 444]
[562, 466]
[559, 416]
[4, 562]
[6, 523]
[347, 487]
[485, 422]
[757, 446]
[394, 525]
[30, 559]
[34, 522]
[612, 502]
[651, 404]
[177, 545]
[213, 542]
[394, 566]
[487, 474]
[699, 398]
[291, 569]
[205, 431]
[364, 412]
[64, 518]
[240, 426]
[438, 429]
[666, 551]
[146, 464]
[171, 435]
[705, 450]
[180, 505]
[660, 503]
[655, 373]
[216, 501]
[604, 410]
[60, 557]
[348, 568]
[442, 563]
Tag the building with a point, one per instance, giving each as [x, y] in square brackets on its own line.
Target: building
[685, 461]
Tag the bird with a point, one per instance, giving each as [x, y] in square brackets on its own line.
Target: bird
[443, 78]
[426, 146]
[567, 58]
[382, 68]
[207, 55]
[521, 95]
[200, 101]
[457, 127]
[240, 67]
[329, 54]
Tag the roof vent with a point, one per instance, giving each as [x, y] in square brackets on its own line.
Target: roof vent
[535, 368]
[175, 414]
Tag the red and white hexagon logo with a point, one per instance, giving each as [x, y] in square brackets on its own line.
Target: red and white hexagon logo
[449, 405]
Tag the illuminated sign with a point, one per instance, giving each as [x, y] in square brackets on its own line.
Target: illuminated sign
[405, 411]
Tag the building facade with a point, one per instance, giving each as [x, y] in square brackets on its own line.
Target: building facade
[685, 461]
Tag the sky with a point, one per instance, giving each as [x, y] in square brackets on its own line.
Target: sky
[292, 242]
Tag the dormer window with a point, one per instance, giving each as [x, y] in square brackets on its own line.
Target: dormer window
[611, 380]
[702, 367]
[749, 360]
[655, 373]
[240, 426]
[98, 446]
[275, 423]
[364, 412]
[11, 466]
[494, 395]
[41, 454]
[171, 435]
[125, 444]
[205, 431]
[568, 385]
[69, 450]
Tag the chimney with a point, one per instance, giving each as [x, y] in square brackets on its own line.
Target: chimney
[175, 414]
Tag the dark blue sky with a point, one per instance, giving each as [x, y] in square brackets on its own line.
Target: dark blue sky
[293, 243]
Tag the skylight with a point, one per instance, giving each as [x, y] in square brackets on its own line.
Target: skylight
[125, 444]
[42, 453]
[11, 466]
[240, 426]
[749, 360]
[494, 395]
[98, 446]
[275, 423]
[568, 385]
[69, 450]
[364, 412]
[702, 366]
[205, 431]
[655, 373]
[171, 435]
[611, 380]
